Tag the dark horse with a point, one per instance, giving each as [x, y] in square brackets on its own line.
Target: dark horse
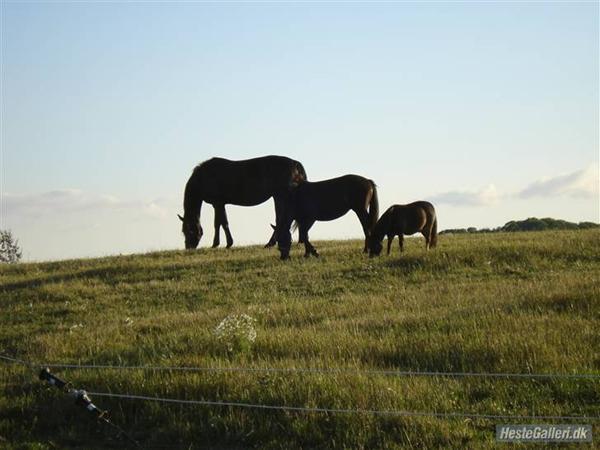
[399, 220]
[219, 181]
[329, 200]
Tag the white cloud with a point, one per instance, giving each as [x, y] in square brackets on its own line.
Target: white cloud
[153, 209]
[481, 197]
[581, 183]
[74, 201]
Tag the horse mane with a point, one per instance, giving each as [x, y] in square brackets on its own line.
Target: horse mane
[191, 202]
[197, 169]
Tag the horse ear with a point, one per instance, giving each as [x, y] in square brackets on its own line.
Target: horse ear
[180, 218]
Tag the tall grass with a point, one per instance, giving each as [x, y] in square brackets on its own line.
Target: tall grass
[505, 302]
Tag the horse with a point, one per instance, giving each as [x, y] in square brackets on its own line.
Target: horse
[249, 182]
[399, 220]
[329, 200]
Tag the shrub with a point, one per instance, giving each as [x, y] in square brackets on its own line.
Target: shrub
[10, 252]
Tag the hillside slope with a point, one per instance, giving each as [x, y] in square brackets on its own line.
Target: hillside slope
[502, 302]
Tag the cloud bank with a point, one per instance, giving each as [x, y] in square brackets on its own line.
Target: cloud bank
[75, 201]
[584, 184]
[481, 197]
[581, 183]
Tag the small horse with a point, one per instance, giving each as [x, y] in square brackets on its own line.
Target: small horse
[399, 220]
[329, 200]
[250, 182]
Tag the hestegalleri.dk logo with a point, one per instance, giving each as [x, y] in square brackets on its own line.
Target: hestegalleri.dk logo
[544, 433]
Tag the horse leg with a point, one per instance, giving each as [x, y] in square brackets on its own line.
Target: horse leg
[225, 225]
[273, 238]
[303, 236]
[308, 247]
[401, 238]
[390, 238]
[218, 221]
[283, 222]
[363, 216]
[425, 234]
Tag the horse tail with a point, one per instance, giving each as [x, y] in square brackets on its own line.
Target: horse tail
[433, 232]
[302, 171]
[273, 239]
[373, 207]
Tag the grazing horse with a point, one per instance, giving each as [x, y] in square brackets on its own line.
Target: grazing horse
[250, 182]
[329, 200]
[399, 220]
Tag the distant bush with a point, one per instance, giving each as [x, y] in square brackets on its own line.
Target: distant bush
[10, 252]
[453, 231]
[530, 224]
[547, 223]
[587, 225]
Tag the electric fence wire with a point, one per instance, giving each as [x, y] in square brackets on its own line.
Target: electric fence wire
[326, 410]
[340, 370]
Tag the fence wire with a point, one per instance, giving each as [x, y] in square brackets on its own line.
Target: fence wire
[315, 370]
[303, 409]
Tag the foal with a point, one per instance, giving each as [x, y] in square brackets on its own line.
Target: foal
[399, 220]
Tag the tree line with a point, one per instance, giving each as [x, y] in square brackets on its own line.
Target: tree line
[530, 224]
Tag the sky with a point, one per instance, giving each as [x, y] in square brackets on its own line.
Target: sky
[490, 110]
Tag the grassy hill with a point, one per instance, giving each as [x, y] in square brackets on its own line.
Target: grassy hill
[501, 302]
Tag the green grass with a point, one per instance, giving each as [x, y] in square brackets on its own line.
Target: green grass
[503, 302]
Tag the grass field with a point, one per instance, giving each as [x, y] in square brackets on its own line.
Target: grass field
[502, 302]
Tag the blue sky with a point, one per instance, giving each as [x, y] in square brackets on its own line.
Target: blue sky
[490, 110]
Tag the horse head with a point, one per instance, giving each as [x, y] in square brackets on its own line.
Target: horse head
[192, 230]
[375, 247]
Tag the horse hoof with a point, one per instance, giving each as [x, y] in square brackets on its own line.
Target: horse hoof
[215, 245]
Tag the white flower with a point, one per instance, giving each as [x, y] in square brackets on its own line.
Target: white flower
[236, 331]
[74, 327]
